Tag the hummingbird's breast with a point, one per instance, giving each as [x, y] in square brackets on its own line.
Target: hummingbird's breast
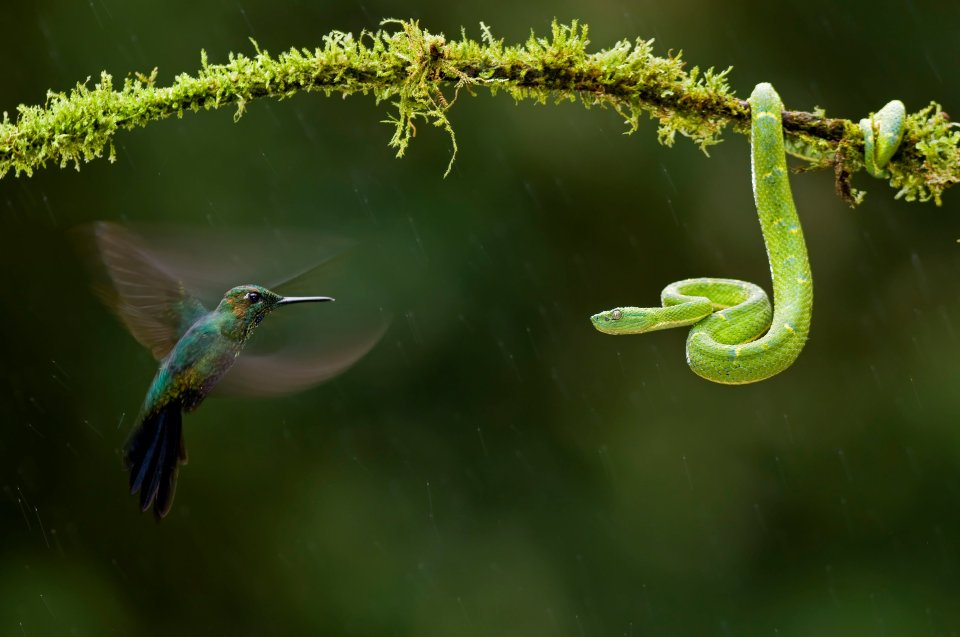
[193, 367]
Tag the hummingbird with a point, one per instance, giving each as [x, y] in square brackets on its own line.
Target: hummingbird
[197, 348]
[202, 355]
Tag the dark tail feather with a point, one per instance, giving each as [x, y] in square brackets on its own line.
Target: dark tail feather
[153, 455]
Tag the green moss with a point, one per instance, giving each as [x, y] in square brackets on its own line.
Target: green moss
[421, 75]
[929, 157]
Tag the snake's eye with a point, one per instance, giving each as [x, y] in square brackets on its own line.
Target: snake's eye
[253, 297]
[616, 315]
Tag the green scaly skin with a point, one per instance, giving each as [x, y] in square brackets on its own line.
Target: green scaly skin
[886, 127]
[736, 338]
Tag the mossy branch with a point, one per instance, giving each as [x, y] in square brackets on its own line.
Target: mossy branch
[412, 68]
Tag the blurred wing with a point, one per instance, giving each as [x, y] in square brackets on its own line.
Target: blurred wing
[147, 296]
[292, 369]
[158, 276]
[211, 260]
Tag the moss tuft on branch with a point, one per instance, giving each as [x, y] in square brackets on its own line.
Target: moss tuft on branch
[411, 68]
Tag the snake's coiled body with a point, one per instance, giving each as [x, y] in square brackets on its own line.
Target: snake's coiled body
[735, 339]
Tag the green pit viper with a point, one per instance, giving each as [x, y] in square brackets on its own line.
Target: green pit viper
[736, 338]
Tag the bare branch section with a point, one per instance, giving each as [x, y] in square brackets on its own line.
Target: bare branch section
[421, 75]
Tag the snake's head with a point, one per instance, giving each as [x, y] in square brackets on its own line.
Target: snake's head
[624, 320]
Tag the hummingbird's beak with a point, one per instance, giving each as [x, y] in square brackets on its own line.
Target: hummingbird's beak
[304, 299]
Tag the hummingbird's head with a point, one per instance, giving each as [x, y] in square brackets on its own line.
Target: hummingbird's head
[249, 304]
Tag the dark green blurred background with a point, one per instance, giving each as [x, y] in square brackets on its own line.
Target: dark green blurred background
[494, 466]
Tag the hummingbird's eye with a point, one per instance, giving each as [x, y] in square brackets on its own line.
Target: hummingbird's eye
[253, 297]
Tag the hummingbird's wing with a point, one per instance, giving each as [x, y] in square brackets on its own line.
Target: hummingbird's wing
[294, 368]
[158, 276]
[148, 297]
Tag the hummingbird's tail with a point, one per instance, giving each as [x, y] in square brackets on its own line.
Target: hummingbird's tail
[153, 455]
